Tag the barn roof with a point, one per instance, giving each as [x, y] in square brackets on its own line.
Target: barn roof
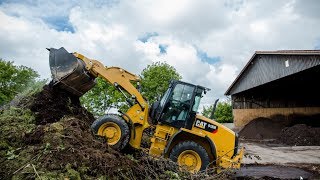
[238, 79]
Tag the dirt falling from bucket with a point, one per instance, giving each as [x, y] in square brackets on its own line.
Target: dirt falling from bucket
[51, 104]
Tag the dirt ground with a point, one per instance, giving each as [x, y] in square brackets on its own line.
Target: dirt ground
[278, 161]
[277, 154]
[288, 150]
[274, 172]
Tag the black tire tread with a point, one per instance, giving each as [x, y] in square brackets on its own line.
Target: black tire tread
[125, 131]
[191, 145]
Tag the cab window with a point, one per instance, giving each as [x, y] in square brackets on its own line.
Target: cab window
[178, 105]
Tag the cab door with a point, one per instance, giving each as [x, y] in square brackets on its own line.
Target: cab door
[177, 105]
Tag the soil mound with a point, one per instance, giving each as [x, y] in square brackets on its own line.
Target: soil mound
[51, 138]
[51, 104]
[262, 128]
[291, 131]
[301, 135]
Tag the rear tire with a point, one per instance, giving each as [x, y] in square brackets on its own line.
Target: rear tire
[114, 129]
[191, 156]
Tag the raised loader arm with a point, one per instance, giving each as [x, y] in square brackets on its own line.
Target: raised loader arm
[137, 115]
[75, 73]
[118, 77]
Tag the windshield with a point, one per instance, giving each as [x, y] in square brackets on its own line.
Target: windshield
[182, 93]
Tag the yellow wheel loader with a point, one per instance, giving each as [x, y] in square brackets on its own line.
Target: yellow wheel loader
[193, 141]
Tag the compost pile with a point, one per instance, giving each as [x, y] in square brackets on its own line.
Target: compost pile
[301, 135]
[262, 128]
[284, 131]
[47, 136]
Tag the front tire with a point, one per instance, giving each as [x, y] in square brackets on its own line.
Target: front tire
[114, 129]
[191, 156]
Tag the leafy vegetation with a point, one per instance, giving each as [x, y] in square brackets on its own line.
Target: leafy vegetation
[156, 78]
[154, 82]
[102, 97]
[223, 113]
[206, 111]
[14, 79]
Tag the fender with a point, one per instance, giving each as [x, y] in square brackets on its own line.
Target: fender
[170, 141]
[212, 147]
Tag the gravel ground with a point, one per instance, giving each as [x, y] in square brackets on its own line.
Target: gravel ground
[267, 154]
[264, 160]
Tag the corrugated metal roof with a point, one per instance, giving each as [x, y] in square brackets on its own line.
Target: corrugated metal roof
[290, 52]
[278, 52]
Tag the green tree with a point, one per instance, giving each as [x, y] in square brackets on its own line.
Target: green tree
[154, 82]
[223, 113]
[102, 97]
[14, 79]
[206, 111]
[155, 79]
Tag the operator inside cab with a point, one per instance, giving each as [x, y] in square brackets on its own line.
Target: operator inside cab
[181, 104]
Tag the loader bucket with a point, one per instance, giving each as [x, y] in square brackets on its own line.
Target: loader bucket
[69, 73]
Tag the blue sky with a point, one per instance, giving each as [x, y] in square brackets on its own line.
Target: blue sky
[207, 41]
[145, 37]
[59, 23]
[209, 59]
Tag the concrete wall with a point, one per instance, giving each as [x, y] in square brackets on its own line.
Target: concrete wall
[244, 116]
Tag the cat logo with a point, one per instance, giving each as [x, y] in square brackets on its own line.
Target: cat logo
[206, 126]
[201, 124]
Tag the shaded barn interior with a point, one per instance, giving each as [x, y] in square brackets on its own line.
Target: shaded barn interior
[279, 85]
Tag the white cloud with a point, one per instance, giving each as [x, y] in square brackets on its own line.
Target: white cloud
[109, 31]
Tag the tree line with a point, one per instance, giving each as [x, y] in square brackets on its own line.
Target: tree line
[14, 79]
[155, 79]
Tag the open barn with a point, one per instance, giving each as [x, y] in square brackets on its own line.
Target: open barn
[281, 86]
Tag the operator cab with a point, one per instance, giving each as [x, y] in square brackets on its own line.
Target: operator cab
[179, 105]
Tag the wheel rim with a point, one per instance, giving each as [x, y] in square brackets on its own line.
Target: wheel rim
[111, 131]
[190, 160]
